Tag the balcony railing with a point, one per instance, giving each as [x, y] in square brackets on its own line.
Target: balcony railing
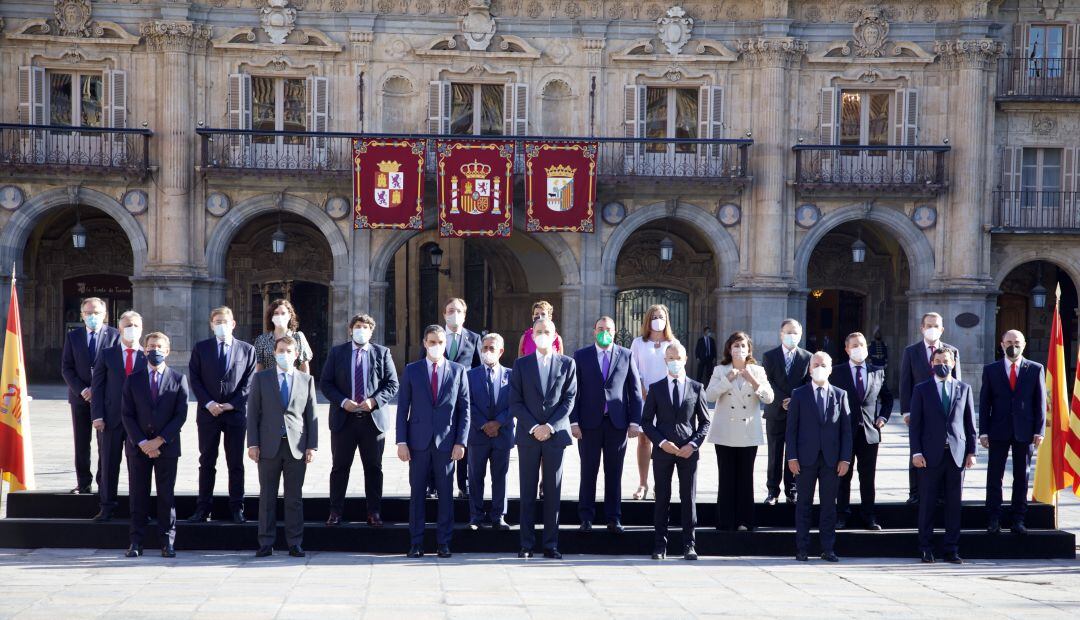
[1038, 79]
[59, 148]
[283, 152]
[888, 169]
[1037, 211]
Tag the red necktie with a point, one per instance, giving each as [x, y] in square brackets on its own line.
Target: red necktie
[434, 382]
[930, 358]
[129, 363]
[1012, 377]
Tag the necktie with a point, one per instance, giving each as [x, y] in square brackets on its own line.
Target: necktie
[491, 388]
[788, 359]
[821, 403]
[675, 393]
[1012, 377]
[153, 385]
[358, 377]
[129, 363]
[707, 348]
[92, 346]
[222, 359]
[945, 403]
[434, 383]
[284, 390]
[606, 369]
[930, 359]
[859, 386]
[453, 346]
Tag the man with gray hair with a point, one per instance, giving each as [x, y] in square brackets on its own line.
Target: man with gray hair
[491, 433]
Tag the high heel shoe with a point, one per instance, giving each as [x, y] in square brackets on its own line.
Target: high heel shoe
[642, 492]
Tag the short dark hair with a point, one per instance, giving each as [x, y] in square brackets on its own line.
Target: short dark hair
[294, 321]
[603, 318]
[434, 329]
[945, 351]
[787, 322]
[363, 319]
[853, 335]
[288, 341]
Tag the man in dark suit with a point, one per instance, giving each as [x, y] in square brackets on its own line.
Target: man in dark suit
[221, 369]
[81, 348]
[818, 452]
[462, 347]
[153, 409]
[606, 412]
[1012, 415]
[787, 367]
[916, 367]
[676, 419]
[432, 432]
[942, 440]
[542, 394]
[491, 433]
[361, 382]
[283, 435]
[871, 404]
[705, 353]
[114, 364]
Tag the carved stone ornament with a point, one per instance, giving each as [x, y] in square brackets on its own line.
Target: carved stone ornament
[73, 18]
[278, 20]
[175, 36]
[673, 29]
[969, 53]
[870, 33]
[478, 26]
[771, 52]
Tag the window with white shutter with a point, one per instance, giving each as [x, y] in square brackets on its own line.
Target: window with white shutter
[1011, 162]
[516, 109]
[906, 117]
[31, 95]
[116, 110]
[239, 111]
[318, 110]
[711, 119]
[439, 108]
[827, 117]
[633, 123]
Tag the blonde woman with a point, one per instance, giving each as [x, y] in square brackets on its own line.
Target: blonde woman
[647, 354]
[540, 310]
[739, 387]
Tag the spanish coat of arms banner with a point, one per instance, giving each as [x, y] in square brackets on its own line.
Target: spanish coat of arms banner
[388, 183]
[475, 188]
[560, 186]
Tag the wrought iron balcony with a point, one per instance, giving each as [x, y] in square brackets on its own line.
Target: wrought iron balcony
[66, 150]
[1038, 79]
[918, 170]
[249, 152]
[1037, 211]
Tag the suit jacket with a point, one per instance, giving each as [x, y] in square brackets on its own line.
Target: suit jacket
[621, 392]
[784, 383]
[145, 419]
[877, 400]
[208, 384]
[468, 353]
[77, 359]
[930, 426]
[482, 410]
[107, 384]
[699, 350]
[808, 435]
[531, 406]
[266, 414]
[1014, 415]
[686, 423]
[420, 420]
[380, 383]
[737, 416]
[915, 368]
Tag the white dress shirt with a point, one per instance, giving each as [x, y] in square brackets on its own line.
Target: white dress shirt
[353, 361]
[649, 360]
[737, 420]
[543, 363]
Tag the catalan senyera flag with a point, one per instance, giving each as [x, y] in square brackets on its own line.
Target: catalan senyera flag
[1058, 459]
[16, 459]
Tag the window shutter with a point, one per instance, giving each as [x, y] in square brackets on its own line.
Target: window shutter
[710, 117]
[116, 111]
[633, 122]
[827, 121]
[1012, 159]
[239, 101]
[1068, 166]
[318, 110]
[32, 95]
[521, 108]
[906, 116]
[439, 107]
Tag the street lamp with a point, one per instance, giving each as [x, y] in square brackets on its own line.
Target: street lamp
[278, 239]
[1038, 292]
[436, 255]
[667, 249]
[858, 251]
[78, 233]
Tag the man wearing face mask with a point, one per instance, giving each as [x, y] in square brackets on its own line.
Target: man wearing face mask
[705, 352]
[81, 349]
[221, 369]
[916, 366]
[114, 365]
[543, 389]
[491, 434]
[786, 368]
[1012, 414]
[871, 405]
[942, 440]
[360, 381]
[606, 412]
[818, 452]
[153, 409]
[462, 347]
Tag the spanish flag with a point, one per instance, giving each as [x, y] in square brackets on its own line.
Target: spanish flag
[1058, 460]
[16, 457]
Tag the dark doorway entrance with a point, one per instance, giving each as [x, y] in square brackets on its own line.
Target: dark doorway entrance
[830, 316]
[631, 305]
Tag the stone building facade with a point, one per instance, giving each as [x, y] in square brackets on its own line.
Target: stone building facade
[721, 123]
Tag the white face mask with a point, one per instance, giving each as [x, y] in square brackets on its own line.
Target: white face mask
[132, 333]
[454, 319]
[222, 330]
[435, 351]
[658, 325]
[490, 358]
[361, 335]
[675, 367]
[280, 320]
[284, 361]
[543, 341]
[740, 353]
[791, 340]
[932, 334]
[858, 354]
[820, 374]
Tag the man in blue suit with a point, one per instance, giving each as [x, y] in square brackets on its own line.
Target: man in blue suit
[1012, 414]
[942, 440]
[819, 452]
[360, 381]
[607, 411]
[154, 408]
[543, 389]
[462, 347]
[432, 432]
[81, 348]
[113, 366]
[491, 433]
[221, 369]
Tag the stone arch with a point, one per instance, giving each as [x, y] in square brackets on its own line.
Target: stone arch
[1015, 260]
[720, 241]
[15, 234]
[916, 246]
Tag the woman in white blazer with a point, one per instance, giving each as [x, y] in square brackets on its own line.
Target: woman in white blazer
[739, 387]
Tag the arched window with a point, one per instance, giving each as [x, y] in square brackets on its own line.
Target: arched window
[396, 94]
[556, 107]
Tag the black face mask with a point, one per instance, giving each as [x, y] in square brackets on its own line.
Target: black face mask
[942, 370]
[1012, 351]
[155, 357]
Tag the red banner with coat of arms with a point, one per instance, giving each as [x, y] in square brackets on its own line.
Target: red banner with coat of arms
[388, 183]
[560, 186]
[475, 188]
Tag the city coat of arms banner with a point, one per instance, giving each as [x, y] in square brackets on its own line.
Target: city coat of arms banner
[560, 186]
[475, 188]
[388, 183]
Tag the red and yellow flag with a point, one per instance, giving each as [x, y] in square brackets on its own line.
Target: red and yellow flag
[1058, 460]
[16, 460]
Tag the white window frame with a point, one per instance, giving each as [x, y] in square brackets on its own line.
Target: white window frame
[864, 115]
[477, 105]
[76, 98]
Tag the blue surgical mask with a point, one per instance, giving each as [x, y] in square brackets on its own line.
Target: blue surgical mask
[791, 340]
[675, 367]
[155, 357]
[284, 360]
[93, 321]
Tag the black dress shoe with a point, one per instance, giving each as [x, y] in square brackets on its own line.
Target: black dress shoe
[133, 551]
[80, 491]
[953, 558]
[168, 551]
[415, 551]
[771, 500]
[238, 516]
[463, 494]
[297, 551]
[264, 552]
[474, 525]
[690, 553]
[616, 526]
[791, 498]
[873, 525]
[200, 516]
[912, 499]
[829, 556]
[659, 555]
[1018, 528]
[103, 515]
[443, 551]
[841, 523]
[374, 520]
[334, 519]
[431, 493]
[586, 526]
[993, 528]
[500, 524]
[927, 557]
[525, 553]
[552, 554]
[800, 556]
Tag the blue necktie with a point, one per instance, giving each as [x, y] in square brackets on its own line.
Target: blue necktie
[153, 386]
[92, 346]
[358, 377]
[284, 390]
[223, 360]
[821, 403]
[491, 388]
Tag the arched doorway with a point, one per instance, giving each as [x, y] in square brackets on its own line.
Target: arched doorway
[1017, 309]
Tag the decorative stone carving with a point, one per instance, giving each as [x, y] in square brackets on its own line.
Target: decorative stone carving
[970, 53]
[870, 32]
[924, 216]
[217, 204]
[175, 36]
[135, 201]
[73, 18]
[478, 26]
[558, 51]
[337, 207]
[1043, 125]
[11, 197]
[729, 214]
[673, 29]
[807, 215]
[771, 52]
[278, 20]
[613, 213]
